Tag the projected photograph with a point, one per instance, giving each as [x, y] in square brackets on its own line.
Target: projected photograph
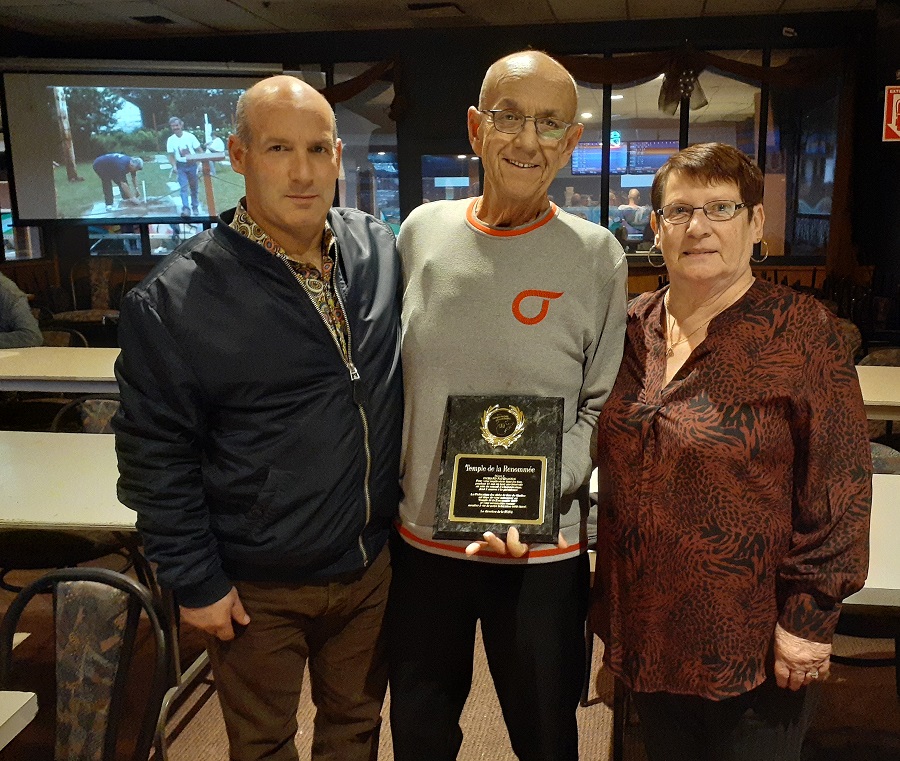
[119, 152]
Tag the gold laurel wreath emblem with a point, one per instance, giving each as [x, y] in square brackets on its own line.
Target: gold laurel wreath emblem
[502, 441]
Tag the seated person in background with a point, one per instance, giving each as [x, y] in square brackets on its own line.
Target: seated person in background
[638, 213]
[615, 217]
[115, 168]
[634, 216]
[18, 328]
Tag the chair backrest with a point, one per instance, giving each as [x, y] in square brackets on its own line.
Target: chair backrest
[64, 338]
[105, 278]
[96, 617]
[851, 335]
[86, 415]
[888, 356]
[884, 458]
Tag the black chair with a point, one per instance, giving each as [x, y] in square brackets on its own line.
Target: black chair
[86, 414]
[64, 337]
[96, 615]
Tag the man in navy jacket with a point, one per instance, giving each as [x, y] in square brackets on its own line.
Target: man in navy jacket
[259, 434]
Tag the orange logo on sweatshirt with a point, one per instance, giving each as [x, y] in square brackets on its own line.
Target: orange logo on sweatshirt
[546, 296]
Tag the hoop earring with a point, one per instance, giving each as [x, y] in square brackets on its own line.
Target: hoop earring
[655, 250]
[764, 256]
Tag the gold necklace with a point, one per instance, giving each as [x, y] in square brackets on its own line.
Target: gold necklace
[670, 326]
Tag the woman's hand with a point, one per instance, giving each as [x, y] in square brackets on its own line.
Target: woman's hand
[798, 661]
[512, 546]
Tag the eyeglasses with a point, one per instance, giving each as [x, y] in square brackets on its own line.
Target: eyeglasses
[513, 122]
[716, 211]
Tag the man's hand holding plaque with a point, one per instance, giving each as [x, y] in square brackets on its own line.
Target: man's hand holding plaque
[500, 472]
[513, 546]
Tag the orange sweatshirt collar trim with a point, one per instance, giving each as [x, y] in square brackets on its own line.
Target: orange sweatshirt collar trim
[487, 230]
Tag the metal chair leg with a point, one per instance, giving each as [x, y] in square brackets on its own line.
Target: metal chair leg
[588, 663]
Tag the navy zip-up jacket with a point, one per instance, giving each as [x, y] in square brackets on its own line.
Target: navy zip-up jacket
[244, 445]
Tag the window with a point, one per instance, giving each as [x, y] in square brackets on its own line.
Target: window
[369, 177]
[801, 152]
[800, 149]
[449, 177]
[641, 138]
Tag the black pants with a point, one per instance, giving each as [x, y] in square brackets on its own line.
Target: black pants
[765, 724]
[107, 180]
[532, 623]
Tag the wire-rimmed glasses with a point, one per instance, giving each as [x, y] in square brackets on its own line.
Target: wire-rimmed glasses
[715, 211]
[513, 122]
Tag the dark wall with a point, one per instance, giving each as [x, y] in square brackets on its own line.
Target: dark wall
[442, 68]
[884, 199]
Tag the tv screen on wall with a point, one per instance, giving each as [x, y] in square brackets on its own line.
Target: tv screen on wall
[587, 158]
[98, 149]
[647, 156]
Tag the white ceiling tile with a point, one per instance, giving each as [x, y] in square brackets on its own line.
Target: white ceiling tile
[494, 13]
[661, 9]
[741, 7]
[794, 6]
[287, 15]
[578, 10]
[219, 15]
[125, 13]
[62, 19]
[111, 17]
[29, 3]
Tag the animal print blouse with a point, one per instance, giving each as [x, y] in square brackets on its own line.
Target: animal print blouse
[735, 497]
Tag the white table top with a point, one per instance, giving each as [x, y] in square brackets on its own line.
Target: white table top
[883, 583]
[58, 368]
[60, 480]
[17, 709]
[881, 391]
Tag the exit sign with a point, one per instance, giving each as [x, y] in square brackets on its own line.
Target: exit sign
[891, 114]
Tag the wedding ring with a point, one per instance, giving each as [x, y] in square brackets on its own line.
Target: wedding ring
[814, 674]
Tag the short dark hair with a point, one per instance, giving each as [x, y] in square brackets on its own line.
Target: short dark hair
[711, 163]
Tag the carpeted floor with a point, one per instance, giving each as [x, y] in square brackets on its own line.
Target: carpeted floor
[858, 717]
[202, 738]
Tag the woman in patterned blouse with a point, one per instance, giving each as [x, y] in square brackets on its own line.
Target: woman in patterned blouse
[737, 483]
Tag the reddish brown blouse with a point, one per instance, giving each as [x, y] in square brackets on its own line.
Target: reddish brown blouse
[736, 497]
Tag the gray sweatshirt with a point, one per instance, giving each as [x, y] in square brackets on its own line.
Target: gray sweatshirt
[471, 326]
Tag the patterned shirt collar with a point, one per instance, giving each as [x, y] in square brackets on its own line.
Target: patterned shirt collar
[244, 224]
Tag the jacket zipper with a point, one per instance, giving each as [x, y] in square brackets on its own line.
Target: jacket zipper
[354, 377]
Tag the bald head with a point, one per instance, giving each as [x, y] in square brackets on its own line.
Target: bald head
[273, 92]
[525, 65]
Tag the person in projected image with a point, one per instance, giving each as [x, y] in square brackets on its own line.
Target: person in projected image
[259, 434]
[179, 146]
[115, 168]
